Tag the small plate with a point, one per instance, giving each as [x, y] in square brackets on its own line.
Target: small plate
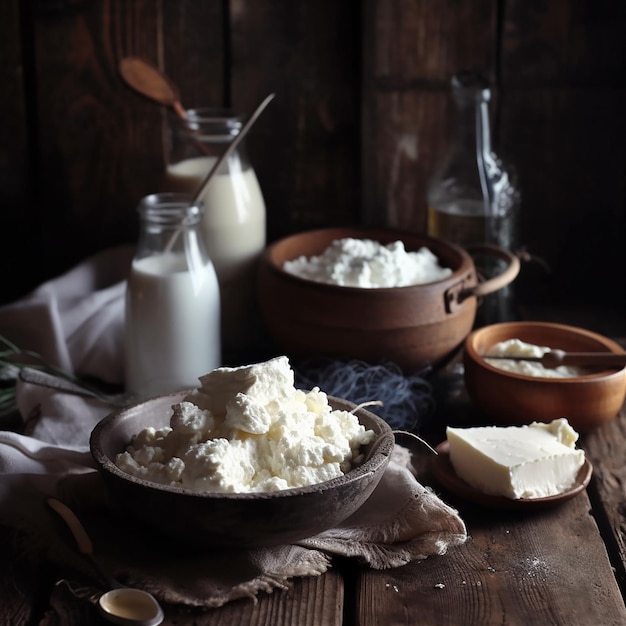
[443, 471]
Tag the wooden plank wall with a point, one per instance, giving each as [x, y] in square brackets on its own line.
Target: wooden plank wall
[361, 115]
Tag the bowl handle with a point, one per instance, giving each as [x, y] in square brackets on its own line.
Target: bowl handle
[499, 281]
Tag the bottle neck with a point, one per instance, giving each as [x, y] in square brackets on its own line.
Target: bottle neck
[168, 224]
[218, 126]
[204, 134]
[473, 136]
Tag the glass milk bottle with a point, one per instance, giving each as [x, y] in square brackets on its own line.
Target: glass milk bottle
[172, 328]
[233, 225]
[473, 198]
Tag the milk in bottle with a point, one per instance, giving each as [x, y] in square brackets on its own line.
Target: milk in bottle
[172, 325]
[233, 225]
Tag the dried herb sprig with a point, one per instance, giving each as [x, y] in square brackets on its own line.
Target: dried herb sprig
[14, 358]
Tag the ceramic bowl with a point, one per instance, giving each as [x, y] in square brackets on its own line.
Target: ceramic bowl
[414, 326]
[233, 519]
[510, 398]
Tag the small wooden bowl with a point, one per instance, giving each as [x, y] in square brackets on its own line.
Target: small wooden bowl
[509, 398]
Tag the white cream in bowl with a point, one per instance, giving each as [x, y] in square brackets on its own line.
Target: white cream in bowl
[366, 263]
[519, 348]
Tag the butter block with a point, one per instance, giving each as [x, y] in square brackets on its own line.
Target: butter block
[531, 461]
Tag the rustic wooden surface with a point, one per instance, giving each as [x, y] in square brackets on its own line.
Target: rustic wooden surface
[515, 569]
[548, 567]
[561, 566]
[360, 118]
[361, 115]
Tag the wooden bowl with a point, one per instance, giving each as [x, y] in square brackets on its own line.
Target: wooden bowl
[510, 398]
[226, 520]
[412, 326]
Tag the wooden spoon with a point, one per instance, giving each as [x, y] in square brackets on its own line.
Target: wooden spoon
[152, 83]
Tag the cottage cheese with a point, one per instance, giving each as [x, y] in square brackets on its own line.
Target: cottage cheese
[369, 264]
[517, 461]
[248, 429]
[516, 347]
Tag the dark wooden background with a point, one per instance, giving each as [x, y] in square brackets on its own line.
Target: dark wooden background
[360, 117]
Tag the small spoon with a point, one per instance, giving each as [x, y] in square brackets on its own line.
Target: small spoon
[555, 358]
[121, 605]
[150, 82]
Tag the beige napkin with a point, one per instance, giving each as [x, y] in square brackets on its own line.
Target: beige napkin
[75, 323]
[402, 521]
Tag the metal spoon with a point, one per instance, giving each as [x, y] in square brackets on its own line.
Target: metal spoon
[555, 358]
[152, 83]
[120, 605]
[232, 145]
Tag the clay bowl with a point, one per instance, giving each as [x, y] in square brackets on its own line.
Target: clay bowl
[225, 520]
[510, 398]
[414, 326]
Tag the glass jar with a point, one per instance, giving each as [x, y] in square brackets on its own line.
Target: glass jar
[234, 221]
[473, 197]
[172, 326]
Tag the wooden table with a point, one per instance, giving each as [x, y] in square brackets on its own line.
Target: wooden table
[562, 566]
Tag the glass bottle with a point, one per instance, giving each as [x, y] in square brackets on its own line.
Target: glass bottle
[172, 326]
[473, 198]
[234, 221]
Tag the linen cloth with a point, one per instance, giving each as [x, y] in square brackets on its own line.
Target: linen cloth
[76, 323]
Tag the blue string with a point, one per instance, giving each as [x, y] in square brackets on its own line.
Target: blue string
[407, 401]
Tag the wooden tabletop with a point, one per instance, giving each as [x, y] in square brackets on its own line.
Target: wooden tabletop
[561, 566]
